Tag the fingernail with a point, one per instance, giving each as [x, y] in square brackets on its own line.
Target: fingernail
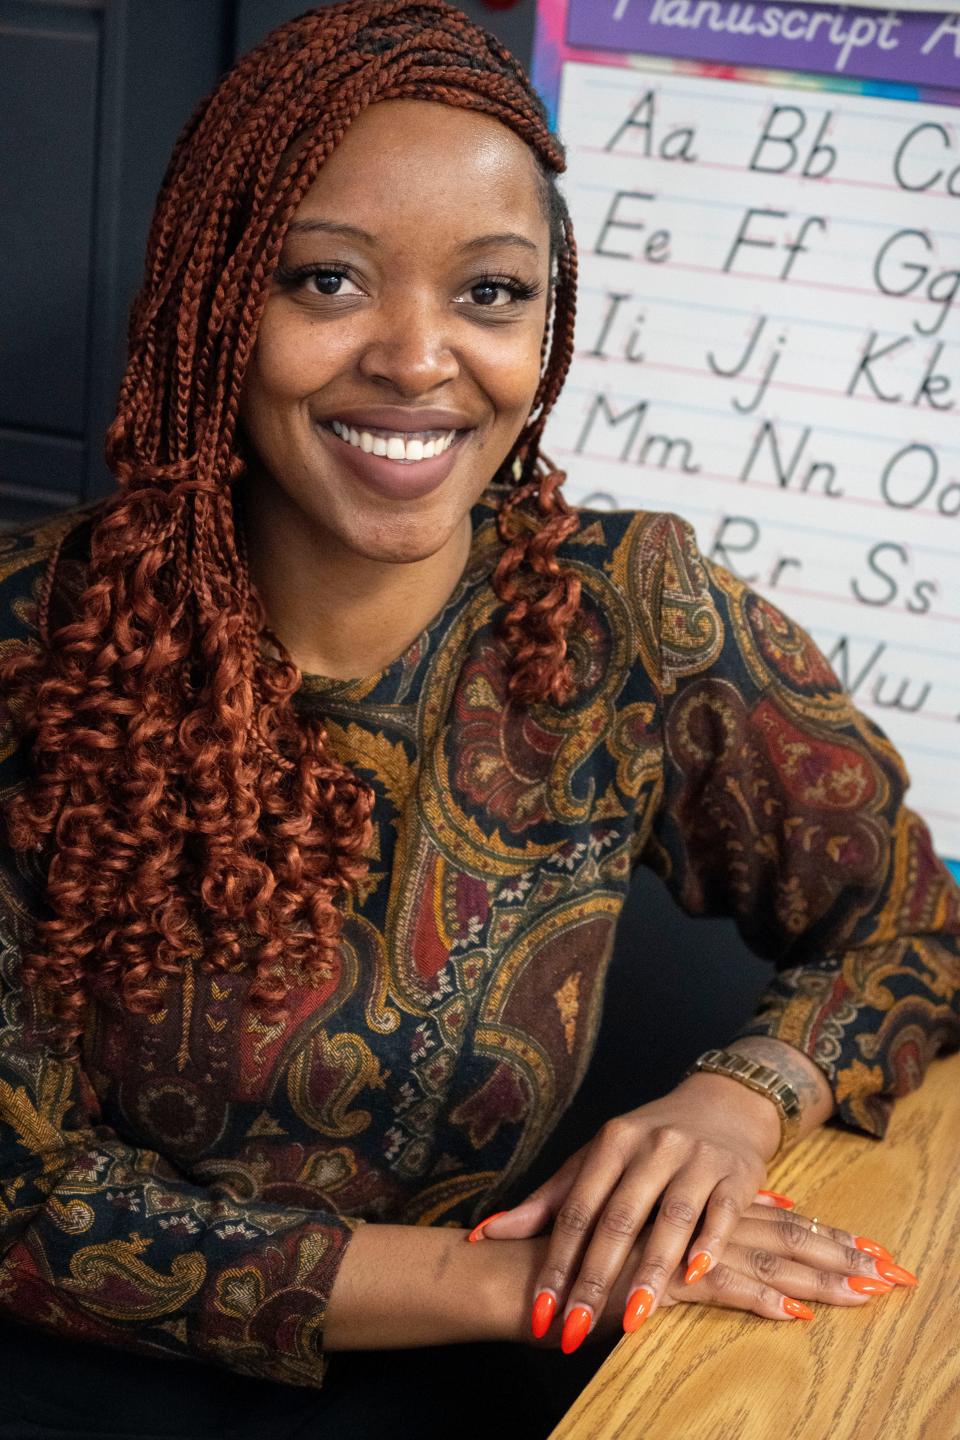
[544, 1308]
[896, 1273]
[477, 1232]
[698, 1266]
[783, 1201]
[638, 1308]
[797, 1307]
[871, 1247]
[576, 1328]
[863, 1285]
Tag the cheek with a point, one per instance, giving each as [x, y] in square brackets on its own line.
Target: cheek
[292, 360]
[512, 369]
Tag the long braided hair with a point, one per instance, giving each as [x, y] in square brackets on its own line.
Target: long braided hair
[180, 806]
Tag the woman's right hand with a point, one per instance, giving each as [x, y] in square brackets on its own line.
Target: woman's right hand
[773, 1259]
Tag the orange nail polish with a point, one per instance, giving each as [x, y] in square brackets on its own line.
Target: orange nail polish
[477, 1232]
[863, 1285]
[783, 1201]
[871, 1247]
[638, 1308]
[544, 1308]
[896, 1273]
[576, 1329]
[797, 1307]
[698, 1266]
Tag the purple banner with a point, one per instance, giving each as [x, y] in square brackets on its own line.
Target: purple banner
[907, 47]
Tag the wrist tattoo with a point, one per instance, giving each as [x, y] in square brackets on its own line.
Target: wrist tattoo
[793, 1066]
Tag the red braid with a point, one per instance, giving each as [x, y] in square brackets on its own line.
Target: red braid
[183, 807]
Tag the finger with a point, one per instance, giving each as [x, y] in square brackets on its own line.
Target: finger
[608, 1250]
[533, 1214]
[725, 1209]
[846, 1237]
[600, 1215]
[729, 1287]
[804, 1281]
[824, 1249]
[680, 1208]
[843, 1237]
[768, 1214]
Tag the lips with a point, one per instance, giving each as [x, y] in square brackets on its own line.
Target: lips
[394, 479]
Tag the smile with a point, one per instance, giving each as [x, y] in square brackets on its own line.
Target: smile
[405, 448]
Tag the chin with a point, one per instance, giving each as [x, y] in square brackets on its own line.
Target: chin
[396, 543]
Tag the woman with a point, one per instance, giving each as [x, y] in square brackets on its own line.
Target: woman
[334, 737]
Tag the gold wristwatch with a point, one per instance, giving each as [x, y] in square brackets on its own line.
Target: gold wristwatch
[759, 1077]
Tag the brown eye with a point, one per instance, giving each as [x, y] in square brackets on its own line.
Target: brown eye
[327, 280]
[485, 293]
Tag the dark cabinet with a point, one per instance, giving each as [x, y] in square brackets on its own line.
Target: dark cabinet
[93, 94]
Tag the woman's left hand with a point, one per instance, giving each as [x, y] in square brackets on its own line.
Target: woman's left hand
[699, 1150]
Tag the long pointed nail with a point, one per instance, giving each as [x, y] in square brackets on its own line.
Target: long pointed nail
[638, 1308]
[896, 1273]
[864, 1285]
[783, 1201]
[698, 1266]
[576, 1329]
[477, 1232]
[797, 1308]
[871, 1247]
[544, 1309]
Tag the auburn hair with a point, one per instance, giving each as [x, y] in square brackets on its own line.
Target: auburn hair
[182, 809]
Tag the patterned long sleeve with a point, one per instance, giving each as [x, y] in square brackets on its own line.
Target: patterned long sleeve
[106, 1239]
[101, 1240]
[782, 806]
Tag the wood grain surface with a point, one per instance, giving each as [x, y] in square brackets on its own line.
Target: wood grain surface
[889, 1370]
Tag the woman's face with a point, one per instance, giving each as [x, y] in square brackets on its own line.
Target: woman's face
[410, 302]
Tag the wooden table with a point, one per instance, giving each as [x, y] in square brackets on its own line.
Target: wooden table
[887, 1371]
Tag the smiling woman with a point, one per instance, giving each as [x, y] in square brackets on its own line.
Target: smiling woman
[330, 744]
[364, 322]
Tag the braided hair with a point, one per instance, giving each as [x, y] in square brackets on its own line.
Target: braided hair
[181, 808]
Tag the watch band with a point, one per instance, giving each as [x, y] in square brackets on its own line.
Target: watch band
[762, 1078]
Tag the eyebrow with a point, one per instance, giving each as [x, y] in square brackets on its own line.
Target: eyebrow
[353, 232]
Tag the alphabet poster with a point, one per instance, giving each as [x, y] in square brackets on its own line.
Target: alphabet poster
[766, 199]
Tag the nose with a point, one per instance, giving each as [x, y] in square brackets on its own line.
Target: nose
[410, 347]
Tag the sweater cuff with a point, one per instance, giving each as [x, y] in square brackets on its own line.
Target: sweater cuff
[812, 1009]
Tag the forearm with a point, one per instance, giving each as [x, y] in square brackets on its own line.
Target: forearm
[402, 1286]
[808, 1080]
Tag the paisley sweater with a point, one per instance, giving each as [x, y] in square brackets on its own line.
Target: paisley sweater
[189, 1189]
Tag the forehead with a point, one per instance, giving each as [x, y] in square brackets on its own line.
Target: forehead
[457, 167]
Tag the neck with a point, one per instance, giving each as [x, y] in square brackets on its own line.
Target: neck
[340, 614]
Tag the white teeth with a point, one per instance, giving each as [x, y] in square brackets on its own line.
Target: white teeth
[394, 447]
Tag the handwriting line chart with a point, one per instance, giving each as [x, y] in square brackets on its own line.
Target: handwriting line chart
[768, 343]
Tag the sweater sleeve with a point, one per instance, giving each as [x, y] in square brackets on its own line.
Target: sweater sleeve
[100, 1239]
[782, 806]
[106, 1242]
